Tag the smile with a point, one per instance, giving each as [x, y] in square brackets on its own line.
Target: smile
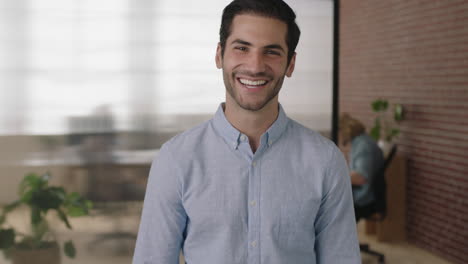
[250, 84]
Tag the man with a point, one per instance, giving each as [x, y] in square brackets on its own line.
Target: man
[251, 185]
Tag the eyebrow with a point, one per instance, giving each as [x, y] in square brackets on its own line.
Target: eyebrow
[240, 41]
[274, 46]
[271, 46]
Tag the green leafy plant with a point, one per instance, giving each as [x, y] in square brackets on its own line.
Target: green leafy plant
[384, 126]
[40, 199]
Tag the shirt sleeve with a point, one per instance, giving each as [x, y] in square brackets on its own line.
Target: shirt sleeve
[163, 219]
[335, 224]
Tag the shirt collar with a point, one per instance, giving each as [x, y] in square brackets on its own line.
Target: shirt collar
[278, 127]
[231, 135]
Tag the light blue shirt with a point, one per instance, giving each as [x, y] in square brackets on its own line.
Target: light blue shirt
[289, 203]
[367, 159]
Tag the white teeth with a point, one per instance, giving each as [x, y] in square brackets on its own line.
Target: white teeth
[249, 82]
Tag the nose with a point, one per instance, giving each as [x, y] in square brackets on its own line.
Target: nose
[256, 62]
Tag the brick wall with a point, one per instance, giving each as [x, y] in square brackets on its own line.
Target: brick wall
[416, 53]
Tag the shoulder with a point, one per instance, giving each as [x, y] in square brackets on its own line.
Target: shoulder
[188, 139]
[363, 140]
[310, 138]
[181, 149]
[364, 144]
[319, 154]
[310, 146]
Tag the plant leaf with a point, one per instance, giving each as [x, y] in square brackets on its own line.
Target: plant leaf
[375, 131]
[26, 196]
[45, 177]
[375, 105]
[384, 105]
[76, 205]
[391, 134]
[38, 232]
[64, 218]
[49, 198]
[36, 217]
[75, 211]
[379, 105]
[7, 238]
[398, 114]
[69, 249]
[31, 181]
[9, 207]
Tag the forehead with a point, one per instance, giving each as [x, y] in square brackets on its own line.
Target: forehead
[258, 29]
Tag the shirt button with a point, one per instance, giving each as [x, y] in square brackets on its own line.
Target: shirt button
[243, 138]
[253, 244]
[270, 142]
[254, 163]
[253, 203]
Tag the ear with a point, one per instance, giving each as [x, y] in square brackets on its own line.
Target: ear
[219, 57]
[291, 65]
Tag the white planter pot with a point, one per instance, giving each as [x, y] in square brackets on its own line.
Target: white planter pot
[385, 146]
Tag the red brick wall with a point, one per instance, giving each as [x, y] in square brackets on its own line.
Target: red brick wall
[415, 52]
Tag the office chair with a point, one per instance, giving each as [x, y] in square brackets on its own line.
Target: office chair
[379, 208]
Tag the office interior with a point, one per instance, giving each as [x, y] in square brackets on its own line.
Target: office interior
[90, 90]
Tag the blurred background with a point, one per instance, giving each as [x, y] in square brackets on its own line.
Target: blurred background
[90, 90]
[104, 82]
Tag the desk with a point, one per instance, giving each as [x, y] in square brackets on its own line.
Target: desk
[110, 176]
[393, 227]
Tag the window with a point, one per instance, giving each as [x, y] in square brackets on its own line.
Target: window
[61, 59]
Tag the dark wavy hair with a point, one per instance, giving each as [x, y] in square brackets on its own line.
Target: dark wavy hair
[277, 9]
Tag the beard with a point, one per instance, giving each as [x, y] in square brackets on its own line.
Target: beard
[274, 86]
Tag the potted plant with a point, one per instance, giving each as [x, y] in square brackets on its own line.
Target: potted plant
[39, 244]
[385, 128]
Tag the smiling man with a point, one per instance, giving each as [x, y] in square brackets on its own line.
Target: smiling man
[250, 186]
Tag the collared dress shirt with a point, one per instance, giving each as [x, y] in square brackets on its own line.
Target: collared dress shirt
[208, 194]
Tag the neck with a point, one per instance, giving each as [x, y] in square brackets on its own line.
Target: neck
[251, 123]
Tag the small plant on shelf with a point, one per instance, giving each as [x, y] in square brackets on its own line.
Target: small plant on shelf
[386, 124]
[385, 127]
[40, 199]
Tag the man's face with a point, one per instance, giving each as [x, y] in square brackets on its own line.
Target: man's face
[255, 61]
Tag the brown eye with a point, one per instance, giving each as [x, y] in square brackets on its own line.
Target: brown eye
[272, 52]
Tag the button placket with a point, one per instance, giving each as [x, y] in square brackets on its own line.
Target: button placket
[254, 213]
